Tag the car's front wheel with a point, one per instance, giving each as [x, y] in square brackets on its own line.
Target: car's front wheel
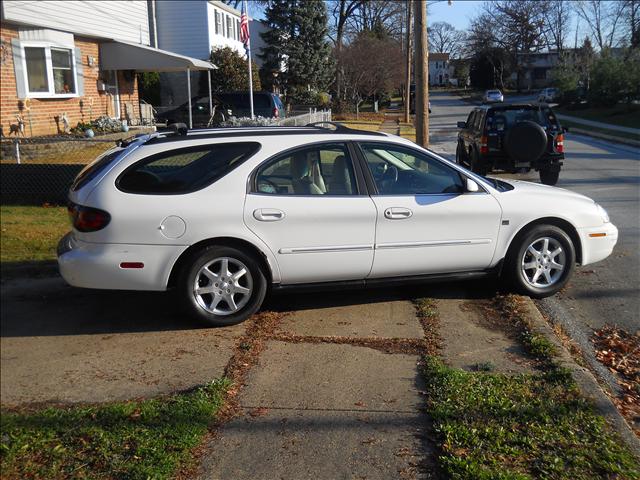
[542, 261]
[221, 286]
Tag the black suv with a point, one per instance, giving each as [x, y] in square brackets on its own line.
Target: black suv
[513, 138]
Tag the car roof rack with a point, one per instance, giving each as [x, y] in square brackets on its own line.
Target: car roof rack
[180, 132]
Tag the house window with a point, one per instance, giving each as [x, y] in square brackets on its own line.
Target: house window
[217, 22]
[229, 27]
[50, 71]
[238, 30]
[61, 63]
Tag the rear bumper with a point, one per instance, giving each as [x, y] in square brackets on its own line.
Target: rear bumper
[97, 265]
[597, 242]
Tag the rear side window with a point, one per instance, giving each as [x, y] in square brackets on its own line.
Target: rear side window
[94, 169]
[184, 170]
[261, 101]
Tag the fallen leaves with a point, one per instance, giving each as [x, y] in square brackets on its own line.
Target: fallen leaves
[619, 351]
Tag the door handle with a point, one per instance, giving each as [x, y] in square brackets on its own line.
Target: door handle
[268, 214]
[397, 213]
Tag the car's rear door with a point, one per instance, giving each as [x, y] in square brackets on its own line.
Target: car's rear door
[426, 222]
[310, 206]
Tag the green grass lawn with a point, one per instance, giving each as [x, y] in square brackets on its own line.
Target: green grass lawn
[621, 115]
[497, 426]
[134, 440]
[31, 233]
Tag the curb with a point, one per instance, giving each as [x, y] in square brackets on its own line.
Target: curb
[583, 377]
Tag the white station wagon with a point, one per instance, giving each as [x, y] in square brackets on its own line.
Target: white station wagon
[222, 216]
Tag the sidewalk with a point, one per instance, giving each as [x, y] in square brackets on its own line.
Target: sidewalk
[606, 126]
[338, 391]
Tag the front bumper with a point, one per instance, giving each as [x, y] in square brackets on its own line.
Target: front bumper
[97, 265]
[597, 242]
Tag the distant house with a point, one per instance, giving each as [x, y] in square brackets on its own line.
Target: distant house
[76, 60]
[440, 69]
[536, 68]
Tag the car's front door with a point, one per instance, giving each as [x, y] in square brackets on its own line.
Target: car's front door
[426, 221]
[310, 208]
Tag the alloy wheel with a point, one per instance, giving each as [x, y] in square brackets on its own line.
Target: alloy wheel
[543, 262]
[223, 286]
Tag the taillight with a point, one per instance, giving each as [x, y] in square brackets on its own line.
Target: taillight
[276, 112]
[484, 145]
[560, 143]
[88, 219]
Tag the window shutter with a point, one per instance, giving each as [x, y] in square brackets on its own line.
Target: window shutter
[79, 73]
[18, 67]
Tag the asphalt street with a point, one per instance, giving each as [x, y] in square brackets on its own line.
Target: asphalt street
[604, 293]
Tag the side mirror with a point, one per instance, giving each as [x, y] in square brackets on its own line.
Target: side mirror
[565, 129]
[462, 124]
[472, 186]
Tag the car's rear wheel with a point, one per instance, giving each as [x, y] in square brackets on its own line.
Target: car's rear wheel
[548, 177]
[542, 261]
[221, 286]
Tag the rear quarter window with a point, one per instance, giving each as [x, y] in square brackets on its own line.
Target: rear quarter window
[94, 169]
[184, 170]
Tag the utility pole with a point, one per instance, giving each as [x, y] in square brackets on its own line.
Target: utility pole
[407, 80]
[422, 73]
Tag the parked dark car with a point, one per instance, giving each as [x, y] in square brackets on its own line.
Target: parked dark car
[265, 104]
[513, 138]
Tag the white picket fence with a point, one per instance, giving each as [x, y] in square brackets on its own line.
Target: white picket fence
[299, 119]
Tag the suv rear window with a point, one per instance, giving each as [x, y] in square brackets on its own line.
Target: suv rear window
[504, 119]
[184, 170]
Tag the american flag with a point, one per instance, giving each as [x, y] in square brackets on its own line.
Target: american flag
[244, 26]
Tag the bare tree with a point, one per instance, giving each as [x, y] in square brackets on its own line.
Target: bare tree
[444, 38]
[371, 66]
[631, 22]
[557, 18]
[382, 17]
[603, 19]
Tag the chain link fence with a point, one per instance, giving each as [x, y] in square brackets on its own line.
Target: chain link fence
[40, 170]
[36, 171]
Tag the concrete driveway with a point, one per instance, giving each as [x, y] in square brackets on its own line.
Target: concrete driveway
[62, 344]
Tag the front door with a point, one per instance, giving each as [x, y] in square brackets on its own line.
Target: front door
[309, 208]
[426, 223]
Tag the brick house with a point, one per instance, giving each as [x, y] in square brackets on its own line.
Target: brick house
[78, 59]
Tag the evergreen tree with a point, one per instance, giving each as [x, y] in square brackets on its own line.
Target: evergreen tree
[298, 39]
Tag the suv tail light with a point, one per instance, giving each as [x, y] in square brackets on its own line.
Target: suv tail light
[88, 219]
[484, 145]
[560, 143]
[276, 112]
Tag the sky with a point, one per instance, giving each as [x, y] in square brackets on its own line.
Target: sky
[458, 14]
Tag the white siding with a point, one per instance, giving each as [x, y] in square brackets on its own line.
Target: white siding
[217, 40]
[182, 27]
[118, 20]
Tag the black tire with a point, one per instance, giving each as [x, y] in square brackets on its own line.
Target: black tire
[478, 165]
[459, 159]
[187, 278]
[549, 177]
[513, 271]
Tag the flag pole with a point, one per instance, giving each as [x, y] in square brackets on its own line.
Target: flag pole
[249, 61]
